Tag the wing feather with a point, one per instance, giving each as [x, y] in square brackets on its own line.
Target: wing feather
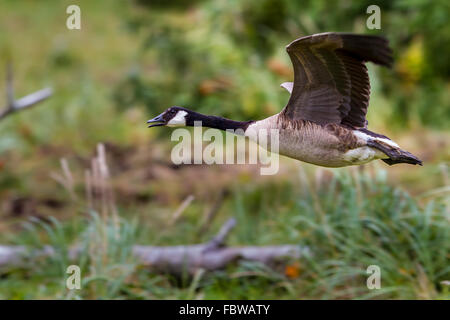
[331, 82]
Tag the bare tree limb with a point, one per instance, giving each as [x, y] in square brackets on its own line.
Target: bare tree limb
[9, 87]
[24, 102]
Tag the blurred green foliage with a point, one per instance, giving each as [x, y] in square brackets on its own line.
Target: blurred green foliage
[227, 57]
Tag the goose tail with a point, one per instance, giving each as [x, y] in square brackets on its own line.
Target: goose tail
[402, 156]
[395, 154]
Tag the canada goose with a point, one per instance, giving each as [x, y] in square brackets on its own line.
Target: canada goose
[324, 121]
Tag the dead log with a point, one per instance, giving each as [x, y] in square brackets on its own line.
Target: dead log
[213, 255]
[210, 256]
[179, 259]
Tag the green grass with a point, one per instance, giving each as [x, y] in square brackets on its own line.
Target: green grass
[355, 221]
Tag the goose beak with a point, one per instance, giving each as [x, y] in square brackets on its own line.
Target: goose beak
[157, 121]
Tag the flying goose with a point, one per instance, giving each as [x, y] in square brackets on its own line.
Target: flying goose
[324, 121]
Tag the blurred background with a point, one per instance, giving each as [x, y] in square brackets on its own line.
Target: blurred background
[133, 59]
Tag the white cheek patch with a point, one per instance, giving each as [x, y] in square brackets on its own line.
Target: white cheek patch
[179, 120]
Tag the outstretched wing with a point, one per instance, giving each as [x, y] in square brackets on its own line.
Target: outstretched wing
[331, 83]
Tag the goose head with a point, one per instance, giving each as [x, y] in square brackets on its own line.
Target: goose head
[180, 117]
[173, 117]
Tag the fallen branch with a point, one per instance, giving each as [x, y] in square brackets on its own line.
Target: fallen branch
[24, 102]
[213, 255]
[191, 258]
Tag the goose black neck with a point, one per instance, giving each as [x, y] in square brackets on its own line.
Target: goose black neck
[217, 122]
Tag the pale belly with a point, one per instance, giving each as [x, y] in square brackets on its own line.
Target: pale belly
[326, 154]
[317, 146]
